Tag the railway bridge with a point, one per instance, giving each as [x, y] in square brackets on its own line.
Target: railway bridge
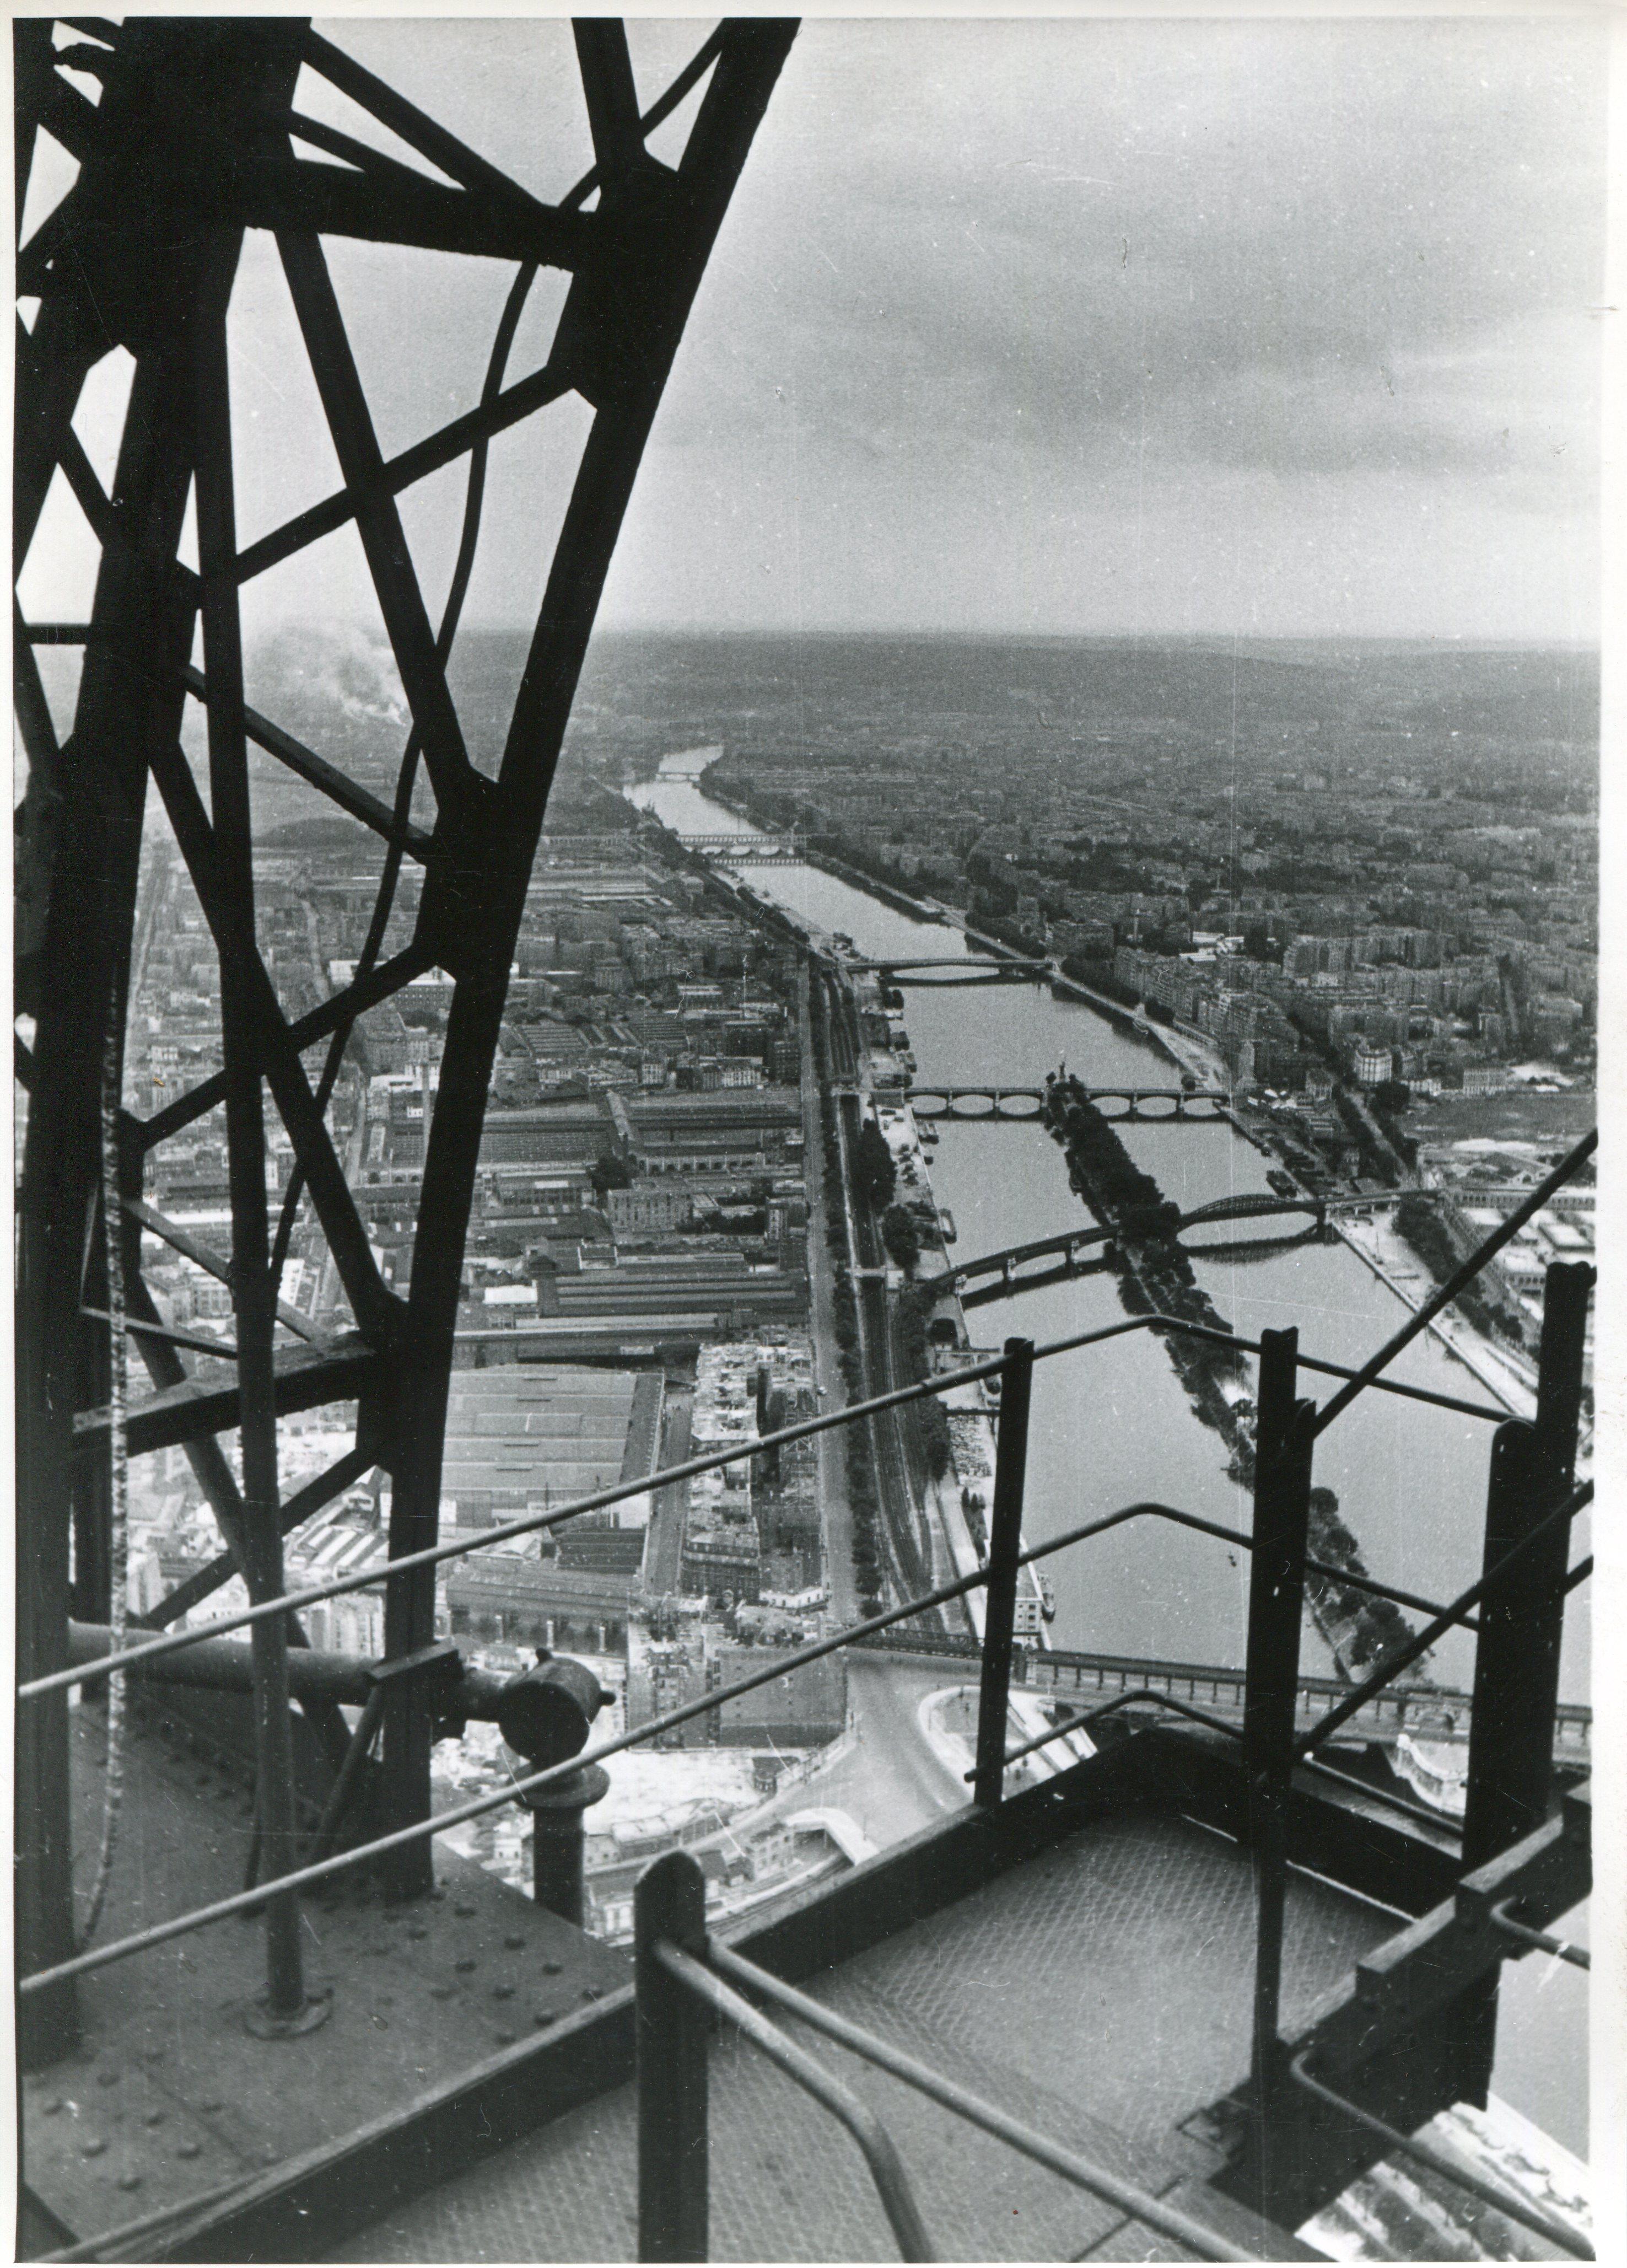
[747, 850]
[1068, 1245]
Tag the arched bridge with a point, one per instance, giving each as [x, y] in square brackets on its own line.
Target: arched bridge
[959, 965]
[1069, 1244]
[747, 850]
[1200, 1104]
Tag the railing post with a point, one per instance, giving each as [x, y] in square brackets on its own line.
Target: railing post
[671, 2027]
[1511, 1748]
[1005, 1543]
[559, 1840]
[1283, 1450]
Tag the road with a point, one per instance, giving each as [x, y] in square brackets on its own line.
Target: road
[889, 1783]
[836, 1512]
[672, 1503]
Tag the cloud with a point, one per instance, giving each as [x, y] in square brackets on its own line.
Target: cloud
[1047, 290]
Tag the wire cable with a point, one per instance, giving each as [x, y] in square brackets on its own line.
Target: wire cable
[118, 1505]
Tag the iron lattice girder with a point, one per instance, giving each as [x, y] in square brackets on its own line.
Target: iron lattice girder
[304, 1378]
[190, 143]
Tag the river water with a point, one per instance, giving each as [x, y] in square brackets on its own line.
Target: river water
[1112, 1423]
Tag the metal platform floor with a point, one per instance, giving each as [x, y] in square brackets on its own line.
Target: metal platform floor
[168, 2096]
[1100, 1990]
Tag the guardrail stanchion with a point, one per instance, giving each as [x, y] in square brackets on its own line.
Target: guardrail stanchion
[1511, 1739]
[1283, 1451]
[1510, 1747]
[1005, 1544]
[669, 1904]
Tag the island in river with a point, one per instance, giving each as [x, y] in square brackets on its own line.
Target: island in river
[1155, 1277]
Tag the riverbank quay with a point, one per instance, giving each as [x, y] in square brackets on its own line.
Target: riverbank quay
[1124, 1408]
[1379, 1248]
[958, 1495]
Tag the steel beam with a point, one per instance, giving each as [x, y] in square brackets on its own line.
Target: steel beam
[189, 143]
[1005, 1544]
[669, 1908]
[84, 943]
[260, 1545]
[1271, 1693]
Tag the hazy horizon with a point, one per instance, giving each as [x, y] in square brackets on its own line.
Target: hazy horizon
[1056, 327]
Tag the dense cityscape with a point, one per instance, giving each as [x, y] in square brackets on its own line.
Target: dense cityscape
[807, 1058]
[1389, 974]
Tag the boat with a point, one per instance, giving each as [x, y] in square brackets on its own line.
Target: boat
[946, 1223]
[1435, 1770]
[928, 1133]
[1048, 1599]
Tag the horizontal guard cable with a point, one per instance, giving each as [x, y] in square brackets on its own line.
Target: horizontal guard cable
[1202, 2242]
[432, 1554]
[881, 2154]
[1422, 1317]
[1089, 1717]
[245, 1901]
[1498, 2198]
[1408, 1653]
[1538, 1940]
[1336, 1370]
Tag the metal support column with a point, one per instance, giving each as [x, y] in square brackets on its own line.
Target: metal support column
[1511, 1741]
[1517, 1658]
[670, 1904]
[1275, 1608]
[1005, 1543]
[245, 1143]
[100, 782]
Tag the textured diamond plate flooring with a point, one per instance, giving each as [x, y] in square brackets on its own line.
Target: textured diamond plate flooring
[167, 2097]
[1100, 1991]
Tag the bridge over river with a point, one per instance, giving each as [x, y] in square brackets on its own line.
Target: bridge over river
[1201, 1105]
[1427, 1713]
[742, 849]
[1067, 1246]
[960, 968]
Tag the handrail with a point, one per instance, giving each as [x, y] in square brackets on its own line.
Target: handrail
[533, 1524]
[421, 1830]
[1336, 1370]
[362, 1579]
[440, 1822]
[1191, 2234]
[1538, 1940]
[1106, 1709]
[880, 2152]
[1459, 1281]
[1358, 1698]
[1499, 2199]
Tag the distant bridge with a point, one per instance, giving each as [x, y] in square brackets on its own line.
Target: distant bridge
[1200, 1104]
[969, 964]
[747, 850]
[1067, 1246]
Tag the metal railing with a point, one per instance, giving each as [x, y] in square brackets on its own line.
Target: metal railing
[1490, 2193]
[683, 1974]
[1531, 1503]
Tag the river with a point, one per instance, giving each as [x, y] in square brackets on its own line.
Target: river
[1111, 1423]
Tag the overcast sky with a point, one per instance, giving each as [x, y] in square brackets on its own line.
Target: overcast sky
[1277, 327]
